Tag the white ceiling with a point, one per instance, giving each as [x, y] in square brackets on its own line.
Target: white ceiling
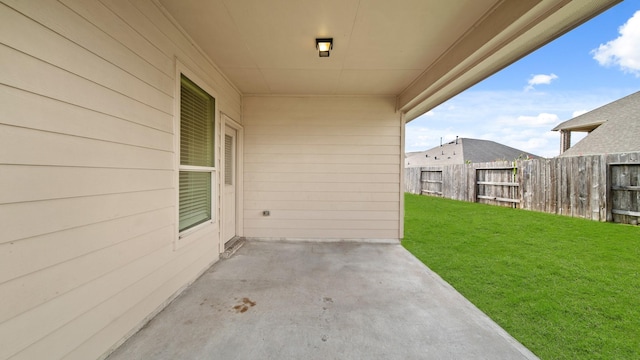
[381, 47]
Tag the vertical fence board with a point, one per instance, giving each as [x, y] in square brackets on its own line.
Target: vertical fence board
[597, 186]
[582, 188]
[566, 197]
[545, 197]
[602, 189]
[524, 181]
[469, 182]
[412, 180]
[553, 189]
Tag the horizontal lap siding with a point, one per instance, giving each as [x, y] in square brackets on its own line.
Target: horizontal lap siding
[325, 167]
[87, 199]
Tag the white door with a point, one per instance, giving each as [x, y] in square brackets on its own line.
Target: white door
[229, 199]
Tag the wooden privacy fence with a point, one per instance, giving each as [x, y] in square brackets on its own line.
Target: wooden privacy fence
[596, 187]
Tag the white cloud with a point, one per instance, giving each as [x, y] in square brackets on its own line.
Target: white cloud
[623, 51]
[540, 79]
[542, 119]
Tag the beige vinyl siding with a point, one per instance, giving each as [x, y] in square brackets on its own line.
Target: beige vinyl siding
[325, 167]
[88, 173]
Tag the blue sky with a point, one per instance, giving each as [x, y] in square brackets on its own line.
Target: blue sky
[594, 64]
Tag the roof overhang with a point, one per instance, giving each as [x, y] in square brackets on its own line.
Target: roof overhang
[423, 52]
[585, 127]
[521, 31]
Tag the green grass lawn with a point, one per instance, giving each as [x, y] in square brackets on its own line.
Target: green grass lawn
[566, 288]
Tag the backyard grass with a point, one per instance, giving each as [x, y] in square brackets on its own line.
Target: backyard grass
[566, 288]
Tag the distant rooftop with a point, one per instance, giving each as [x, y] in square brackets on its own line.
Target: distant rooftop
[464, 150]
[615, 128]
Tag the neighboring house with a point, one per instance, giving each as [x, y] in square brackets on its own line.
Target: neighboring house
[612, 128]
[465, 150]
[138, 137]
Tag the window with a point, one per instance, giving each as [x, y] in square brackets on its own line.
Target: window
[197, 109]
[228, 160]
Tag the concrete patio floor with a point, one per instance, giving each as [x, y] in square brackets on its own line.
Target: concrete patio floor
[293, 300]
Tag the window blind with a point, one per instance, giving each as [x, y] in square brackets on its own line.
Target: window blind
[196, 125]
[195, 198]
[197, 152]
[228, 160]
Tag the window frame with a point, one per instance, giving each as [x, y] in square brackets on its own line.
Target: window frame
[182, 236]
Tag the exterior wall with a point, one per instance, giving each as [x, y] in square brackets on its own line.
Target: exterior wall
[88, 246]
[325, 167]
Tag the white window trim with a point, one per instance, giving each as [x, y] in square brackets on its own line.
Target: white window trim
[197, 168]
[185, 237]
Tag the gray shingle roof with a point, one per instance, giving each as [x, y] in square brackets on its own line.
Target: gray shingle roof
[619, 132]
[473, 150]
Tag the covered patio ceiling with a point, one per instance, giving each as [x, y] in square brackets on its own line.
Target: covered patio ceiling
[421, 51]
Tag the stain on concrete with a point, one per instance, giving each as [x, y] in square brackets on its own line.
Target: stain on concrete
[245, 304]
[248, 302]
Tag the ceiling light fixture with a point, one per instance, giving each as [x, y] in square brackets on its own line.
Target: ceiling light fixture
[324, 46]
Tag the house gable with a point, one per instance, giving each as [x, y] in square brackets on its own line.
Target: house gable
[616, 128]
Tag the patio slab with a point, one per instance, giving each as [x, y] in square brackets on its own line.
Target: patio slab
[340, 300]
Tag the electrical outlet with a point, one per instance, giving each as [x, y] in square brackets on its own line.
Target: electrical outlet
[266, 213]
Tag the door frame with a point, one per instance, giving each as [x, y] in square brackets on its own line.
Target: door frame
[226, 120]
